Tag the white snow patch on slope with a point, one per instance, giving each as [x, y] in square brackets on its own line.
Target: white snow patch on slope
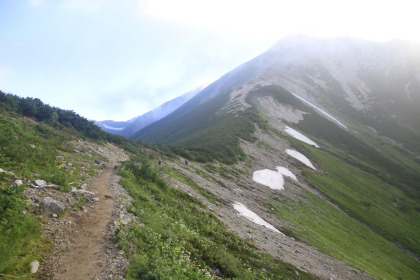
[320, 110]
[273, 179]
[244, 211]
[300, 157]
[113, 128]
[300, 136]
[286, 172]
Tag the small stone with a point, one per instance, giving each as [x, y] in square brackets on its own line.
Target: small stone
[40, 183]
[18, 182]
[54, 215]
[52, 206]
[34, 266]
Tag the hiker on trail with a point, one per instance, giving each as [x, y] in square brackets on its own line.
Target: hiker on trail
[186, 162]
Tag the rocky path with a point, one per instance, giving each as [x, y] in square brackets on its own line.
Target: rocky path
[83, 240]
[88, 257]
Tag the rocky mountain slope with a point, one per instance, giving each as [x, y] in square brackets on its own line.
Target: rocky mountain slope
[373, 84]
[292, 172]
[336, 121]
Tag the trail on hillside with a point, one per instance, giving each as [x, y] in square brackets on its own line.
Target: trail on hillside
[87, 258]
[83, 240]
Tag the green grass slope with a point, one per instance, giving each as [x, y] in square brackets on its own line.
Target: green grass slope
[209, 136]
[33, 136]
[372, 185]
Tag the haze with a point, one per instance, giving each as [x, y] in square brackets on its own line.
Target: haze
[119, 59]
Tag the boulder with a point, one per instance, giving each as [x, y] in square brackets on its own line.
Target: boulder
[52, 206]
[34, 266]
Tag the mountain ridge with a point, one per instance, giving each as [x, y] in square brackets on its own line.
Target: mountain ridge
[130, 127]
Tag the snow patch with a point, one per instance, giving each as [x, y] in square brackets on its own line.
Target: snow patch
[286, 172]
[113, 128]
[300, 136]
[300, 157]
[320, 110]
[244, 211]
[273, 179]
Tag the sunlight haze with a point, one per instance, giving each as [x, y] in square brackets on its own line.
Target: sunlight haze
[119, 59]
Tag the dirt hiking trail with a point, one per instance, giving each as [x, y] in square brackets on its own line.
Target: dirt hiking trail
[86, 260]
[82, 240]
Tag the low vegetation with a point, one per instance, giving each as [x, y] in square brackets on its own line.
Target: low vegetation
[20, 232]
[38, 142]
[208, 136]
[385, 208]
[332, 231]
[174, 244]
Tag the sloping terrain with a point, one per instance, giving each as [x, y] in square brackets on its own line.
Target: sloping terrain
[331, 127]
[268, 174]
[48, 171]
[130, 127]
[364, 85]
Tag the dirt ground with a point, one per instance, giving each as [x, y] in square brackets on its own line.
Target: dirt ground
[82, 240]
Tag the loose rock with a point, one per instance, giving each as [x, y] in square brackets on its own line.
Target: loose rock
[18, 182]
[40, 183]
[34, 266]
[52, 206]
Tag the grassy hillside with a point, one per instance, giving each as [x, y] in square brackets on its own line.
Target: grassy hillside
[34, 138]
[372, 185]
[29, 150]
[174, 244]
[208, 136]
[321, 225]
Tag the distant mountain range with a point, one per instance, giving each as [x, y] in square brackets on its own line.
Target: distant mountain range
[128, 128]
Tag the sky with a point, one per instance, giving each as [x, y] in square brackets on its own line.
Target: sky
[115, 60]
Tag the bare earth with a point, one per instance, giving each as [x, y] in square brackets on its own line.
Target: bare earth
[83, 240]
[86, 259]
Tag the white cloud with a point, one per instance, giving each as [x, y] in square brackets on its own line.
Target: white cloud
[369, 19]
